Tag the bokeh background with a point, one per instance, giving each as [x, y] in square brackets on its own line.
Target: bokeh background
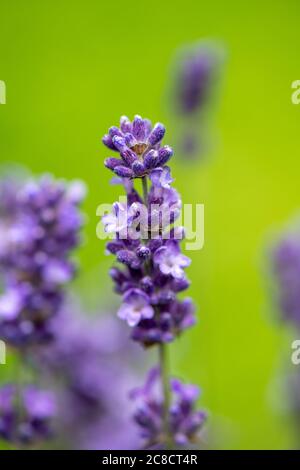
[72, 68]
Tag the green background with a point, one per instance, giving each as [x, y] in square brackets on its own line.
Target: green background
[72, 68]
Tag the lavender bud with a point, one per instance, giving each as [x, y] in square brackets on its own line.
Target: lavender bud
[157, 134]
[123, 171]
[128, 156]
[147, 284]
[138, 168]
[151, 159]
[119, 142]
[129, 139]
[107, 140]
[112, 162]
[129, 258]
[125, 124]
[138, 128]
[114, 131]
[114, 246]
[165, 153]
[143, 252]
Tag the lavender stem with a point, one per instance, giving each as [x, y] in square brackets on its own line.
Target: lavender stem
[163, 360]
[145, 189]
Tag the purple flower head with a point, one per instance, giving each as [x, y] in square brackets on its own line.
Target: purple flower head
[26, 416]
[147, 244]
[185, 421]
[195, 73]
[43, 232]
[139, 146]
[286, 269]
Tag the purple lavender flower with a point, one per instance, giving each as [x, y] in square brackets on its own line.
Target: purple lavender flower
[139, 146]
[184, 421]
[35, 262]
[194, 80]
[26, 414]
[152, 276]
[135, 307]
[147, 245]
[176, 316]
[170, 260]
[286, 268]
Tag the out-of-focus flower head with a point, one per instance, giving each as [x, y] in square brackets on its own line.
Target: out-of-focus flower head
[36, 260]
[286, 270]
[90, 363]
[192, 84]
[26, 414]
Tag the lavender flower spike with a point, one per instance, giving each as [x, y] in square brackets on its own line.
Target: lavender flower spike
[286, 270]
[153, 271]
[36, 263]
[32, 422]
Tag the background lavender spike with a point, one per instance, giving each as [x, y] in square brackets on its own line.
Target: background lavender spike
[286, 271]
[35, 255]
[92, 367]
[26, 414]
[193, 80]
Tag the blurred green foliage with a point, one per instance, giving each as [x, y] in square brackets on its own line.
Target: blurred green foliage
[72, 68]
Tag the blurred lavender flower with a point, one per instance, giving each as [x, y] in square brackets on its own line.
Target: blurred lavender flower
[193, 80]
[286, 269]
[34, 255]
[88, 363]
[26, 414]
[285, 266]
[184, 421]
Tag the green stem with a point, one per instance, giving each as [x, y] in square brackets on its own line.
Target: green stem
[145, 189]
[164, 370]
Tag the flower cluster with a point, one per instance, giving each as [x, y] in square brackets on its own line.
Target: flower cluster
[89, 364]
[147, 243]
[26, 415]
[286, 268]
[184, 421]
[148, 246]
[34, 256]
[139, 146]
